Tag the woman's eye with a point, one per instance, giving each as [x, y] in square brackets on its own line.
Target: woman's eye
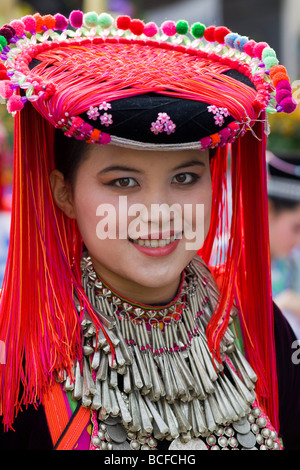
[124, 183]
[185, 178]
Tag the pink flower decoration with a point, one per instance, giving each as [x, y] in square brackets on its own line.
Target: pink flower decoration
[105, 106]
[157, 127]
[219, 119]
[212, 109]
[106, 119]
[93, 113]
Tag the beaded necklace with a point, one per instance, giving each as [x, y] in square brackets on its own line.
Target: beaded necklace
[162, 384]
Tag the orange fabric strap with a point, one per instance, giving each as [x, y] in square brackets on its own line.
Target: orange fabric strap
[65, 430]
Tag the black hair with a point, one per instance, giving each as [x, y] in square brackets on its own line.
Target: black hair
[68, 154]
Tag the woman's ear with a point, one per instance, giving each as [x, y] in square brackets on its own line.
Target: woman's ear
[62, 193]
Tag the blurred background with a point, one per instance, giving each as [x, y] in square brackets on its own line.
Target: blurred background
[276, 22]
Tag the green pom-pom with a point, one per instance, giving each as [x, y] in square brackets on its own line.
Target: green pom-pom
[197, 30]
[182, 27]
[105, 20]
[90, 19]
[268, 52]
[270, 62]
[3, 41]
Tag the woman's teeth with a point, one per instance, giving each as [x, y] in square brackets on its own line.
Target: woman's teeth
[154, 243]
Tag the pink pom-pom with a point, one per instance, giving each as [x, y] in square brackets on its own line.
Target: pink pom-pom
[249, 46]
[14, 104]
[281, 94]
[288, 105]
[224, 134]
[150, 29]
[61, 22]
[284, 84]
[105, 138]
[257, 50]
[5, 89]
[18, 26]
[29, 23]
[168, 28]
[76, 18]
[205, 142]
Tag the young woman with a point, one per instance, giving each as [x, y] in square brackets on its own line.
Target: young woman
[122, 328]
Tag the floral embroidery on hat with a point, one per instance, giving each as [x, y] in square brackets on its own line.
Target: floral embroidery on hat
[163, 124]
[106, 119]
[93, 113]
[219, 114]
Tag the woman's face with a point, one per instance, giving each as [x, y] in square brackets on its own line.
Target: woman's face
[130, 205]
[284, 231]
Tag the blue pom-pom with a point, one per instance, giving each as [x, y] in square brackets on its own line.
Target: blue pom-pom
[239, 43]
[230, 38]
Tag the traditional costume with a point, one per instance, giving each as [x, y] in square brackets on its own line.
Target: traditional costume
[86, 368]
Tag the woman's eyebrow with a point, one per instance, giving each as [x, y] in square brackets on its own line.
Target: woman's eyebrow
[118, 168]
[188, 164]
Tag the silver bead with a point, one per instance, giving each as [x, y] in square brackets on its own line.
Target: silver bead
[233, 442]
[211, 440]
[215, 447]
[101, 434]
[256, 412]
[251, 419]
[259, 439]
[270, 443]
[222, 441]
[152, 442]
[254, 428]
[265, 432]
[103, 445]
[263, 447]
[135, 445]
[261, 422]
[273, 435]
[229, 431]
[109, 446]
[96, 441]
[219, 431]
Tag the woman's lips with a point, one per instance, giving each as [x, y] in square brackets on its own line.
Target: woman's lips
[157, 245]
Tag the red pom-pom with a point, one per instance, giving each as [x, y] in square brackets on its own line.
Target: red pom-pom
[220, 33]
[3, 75]
[14, 104]
[137, 27]
[209, 33]
[123, 22]
[257, 50]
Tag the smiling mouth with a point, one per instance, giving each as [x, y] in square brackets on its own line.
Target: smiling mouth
[158, 242]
